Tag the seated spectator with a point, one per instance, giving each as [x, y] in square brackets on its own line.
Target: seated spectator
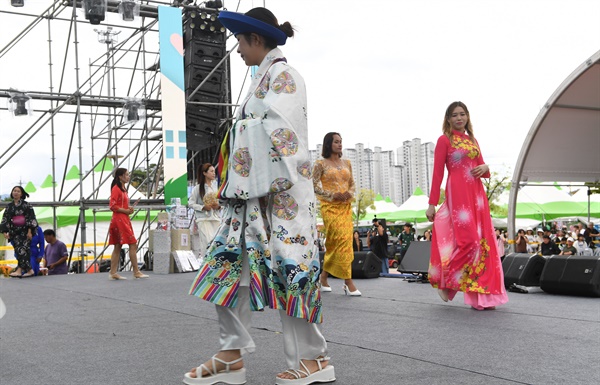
[539, 238]
[530, 240]
[569, 249]
[575, 231]
[581, 244]
[55, 255]
[591, 235]
[548, 247]
[521, 242]
[560, 238]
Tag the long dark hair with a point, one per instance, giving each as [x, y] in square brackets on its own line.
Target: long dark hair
[116, 181]
[266, 16]
[327, 143]
[23, 192]
[201, 178]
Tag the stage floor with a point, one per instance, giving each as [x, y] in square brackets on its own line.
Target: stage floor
[85, 329]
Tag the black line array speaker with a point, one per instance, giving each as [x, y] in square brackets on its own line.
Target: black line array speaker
[416, 259]
[523, 269]
[204, 43]
[572, 275]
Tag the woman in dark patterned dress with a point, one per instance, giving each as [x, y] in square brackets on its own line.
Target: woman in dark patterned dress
[18, 225]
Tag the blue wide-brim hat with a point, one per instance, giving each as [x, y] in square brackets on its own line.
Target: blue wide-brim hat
[239, 23]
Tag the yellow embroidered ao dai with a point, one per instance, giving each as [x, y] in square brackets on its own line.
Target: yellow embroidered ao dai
[337, 216]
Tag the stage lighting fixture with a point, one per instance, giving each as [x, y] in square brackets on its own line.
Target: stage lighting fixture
[214, 4]
[95, 10]
[107, 37]
[17, 3]
[203, 15]
[134, 111]
[219, 27]
[129, 9]
[18, 103]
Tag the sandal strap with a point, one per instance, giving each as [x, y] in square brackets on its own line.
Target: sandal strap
[227, 364]
[200, 369]
[216, 359]
[294, 373]
[305, 371]
[319, 360]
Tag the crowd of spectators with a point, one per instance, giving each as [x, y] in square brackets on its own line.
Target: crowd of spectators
[552, 240]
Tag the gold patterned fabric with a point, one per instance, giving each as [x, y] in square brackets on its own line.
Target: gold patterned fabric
[337, 216]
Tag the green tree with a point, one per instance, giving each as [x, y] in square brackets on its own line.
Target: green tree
[139, 176]
[494, 187]
[442, 196]
[364, 199]
[594, 187]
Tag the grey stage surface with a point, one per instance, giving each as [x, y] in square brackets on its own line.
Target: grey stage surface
[85, 329]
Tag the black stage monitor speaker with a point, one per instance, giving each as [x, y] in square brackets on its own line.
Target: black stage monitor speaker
[572, 274]
[365, 265]
[416, 259]
[523, 269]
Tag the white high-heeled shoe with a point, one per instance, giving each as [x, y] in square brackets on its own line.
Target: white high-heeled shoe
[326, 288]
[354, 293]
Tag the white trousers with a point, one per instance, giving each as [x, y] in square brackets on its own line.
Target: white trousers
[302, 340]
[207, 229]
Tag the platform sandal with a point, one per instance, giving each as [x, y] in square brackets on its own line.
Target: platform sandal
[226, 376]
[304, 377]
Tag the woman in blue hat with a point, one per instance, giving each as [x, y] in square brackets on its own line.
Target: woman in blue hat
[265, 252]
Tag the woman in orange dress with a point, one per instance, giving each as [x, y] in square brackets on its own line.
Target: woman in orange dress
[120, 231]
[464, 251]
[334, 187]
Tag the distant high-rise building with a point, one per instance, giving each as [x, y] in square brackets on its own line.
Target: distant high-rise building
[391, 175]
[417, 158]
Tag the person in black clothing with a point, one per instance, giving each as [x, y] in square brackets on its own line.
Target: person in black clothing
[405, 238]
[357, 244]
[591, 235]
[548, 247]
[377, 243]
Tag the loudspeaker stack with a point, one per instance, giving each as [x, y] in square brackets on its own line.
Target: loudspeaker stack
[204, 41]
[523, 269]
[365, 264]
[572, 275]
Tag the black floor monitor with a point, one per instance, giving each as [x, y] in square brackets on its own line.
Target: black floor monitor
[416, 259]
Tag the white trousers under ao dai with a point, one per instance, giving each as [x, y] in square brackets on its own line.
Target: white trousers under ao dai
[302, 340]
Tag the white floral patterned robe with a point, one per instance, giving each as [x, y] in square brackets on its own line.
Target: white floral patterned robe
[270, 202]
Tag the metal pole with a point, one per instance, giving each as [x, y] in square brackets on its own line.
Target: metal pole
[80, 143]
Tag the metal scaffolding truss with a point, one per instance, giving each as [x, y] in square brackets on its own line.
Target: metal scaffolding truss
[77, 97]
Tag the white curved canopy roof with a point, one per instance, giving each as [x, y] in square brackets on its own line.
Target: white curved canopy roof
[563, 143]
